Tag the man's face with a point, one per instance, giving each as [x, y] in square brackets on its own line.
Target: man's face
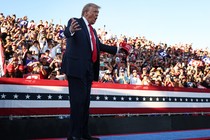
[91, 15]
[134, 73]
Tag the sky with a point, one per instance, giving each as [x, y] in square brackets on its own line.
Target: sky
[167, 21]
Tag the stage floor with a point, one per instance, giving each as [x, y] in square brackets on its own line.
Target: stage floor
[202, 134]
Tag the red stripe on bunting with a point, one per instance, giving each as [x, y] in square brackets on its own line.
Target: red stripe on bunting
[66, 111]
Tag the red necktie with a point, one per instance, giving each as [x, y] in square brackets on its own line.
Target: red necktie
[94, 52]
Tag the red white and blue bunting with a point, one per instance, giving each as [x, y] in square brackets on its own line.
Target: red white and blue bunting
[20, 97]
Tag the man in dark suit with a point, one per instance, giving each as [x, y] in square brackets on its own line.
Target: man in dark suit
[81, 65]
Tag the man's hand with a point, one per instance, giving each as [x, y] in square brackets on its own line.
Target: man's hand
[74, 26]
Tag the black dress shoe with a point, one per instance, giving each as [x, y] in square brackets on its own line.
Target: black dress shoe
[74, 138]
[90, 138]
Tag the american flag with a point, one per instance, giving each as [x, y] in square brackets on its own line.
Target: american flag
[206, 60]
[163, 54]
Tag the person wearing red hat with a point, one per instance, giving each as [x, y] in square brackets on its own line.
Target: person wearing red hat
[15, 70]
[10, 71]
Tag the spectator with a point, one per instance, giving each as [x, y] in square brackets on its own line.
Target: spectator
[46, 66]
[157, 83]
[168, 82]
[39, 71]
[31, 25]
[28, 61]
[55, 64]
[15, 67]
[47, 56]
[122, 79]
[134, 78]
[177, 82]
[206, 83]
[43, 44]
[52, 76]
[35, 49]
[107, 78]
[145, 81]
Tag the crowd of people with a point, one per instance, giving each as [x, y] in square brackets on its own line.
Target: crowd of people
[35, 50]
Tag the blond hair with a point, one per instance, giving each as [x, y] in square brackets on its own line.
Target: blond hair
[87, 7]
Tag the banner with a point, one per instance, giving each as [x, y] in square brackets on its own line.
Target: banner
[48, 97]
[196, 63]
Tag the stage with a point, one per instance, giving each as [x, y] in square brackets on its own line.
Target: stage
[203, 134]
[34, 109]
[37, 128]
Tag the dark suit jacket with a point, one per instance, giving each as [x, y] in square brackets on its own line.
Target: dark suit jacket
[78, 54]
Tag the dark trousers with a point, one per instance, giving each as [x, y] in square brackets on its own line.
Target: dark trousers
[79, 92]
